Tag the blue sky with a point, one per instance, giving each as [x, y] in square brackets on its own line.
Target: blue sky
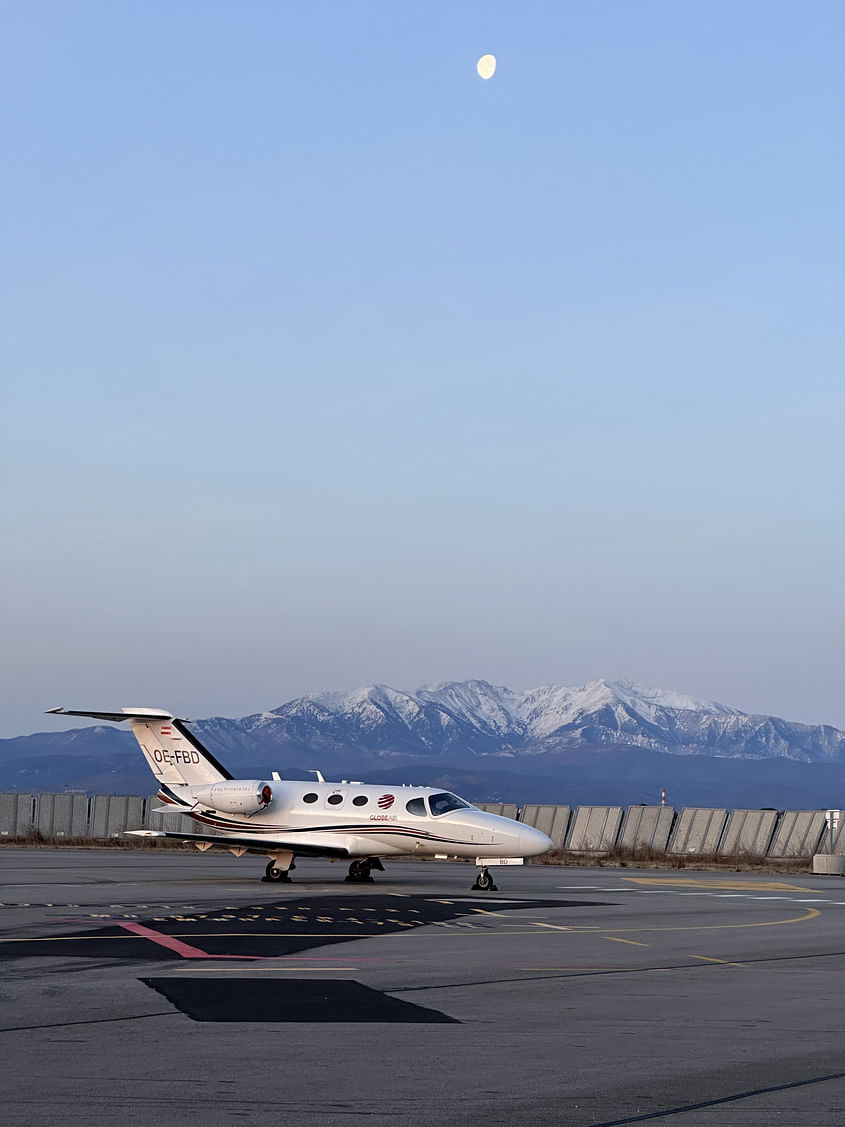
[327, 362]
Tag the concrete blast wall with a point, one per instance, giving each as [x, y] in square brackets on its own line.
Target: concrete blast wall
[503, 809]
[594, 828]
[798, 833]
[550, 820]
[756, 833]
[17, 814]
[749, 832]
[63, 815]
[647, 827]
[698, 830]
[111, 814]
[838, 833]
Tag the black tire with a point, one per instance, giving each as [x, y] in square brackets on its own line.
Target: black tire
[275, 874]
[483, 882]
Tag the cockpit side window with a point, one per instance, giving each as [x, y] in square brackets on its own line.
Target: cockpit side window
[416, 806]
[444, 803]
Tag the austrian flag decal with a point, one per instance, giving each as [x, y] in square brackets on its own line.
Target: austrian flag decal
[386, 801]
[165, 731]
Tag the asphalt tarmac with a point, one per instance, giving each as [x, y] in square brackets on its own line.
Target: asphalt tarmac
[156, 989]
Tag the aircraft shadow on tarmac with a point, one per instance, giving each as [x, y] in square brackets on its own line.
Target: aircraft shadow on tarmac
[263, 931]
[290, 1000]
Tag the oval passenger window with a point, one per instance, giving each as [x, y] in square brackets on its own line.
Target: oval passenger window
[309, 797]
[360, 800]
[334, 799]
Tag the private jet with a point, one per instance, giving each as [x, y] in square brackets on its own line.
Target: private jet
[286, 819]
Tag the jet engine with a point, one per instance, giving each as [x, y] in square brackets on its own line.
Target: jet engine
[235, 797]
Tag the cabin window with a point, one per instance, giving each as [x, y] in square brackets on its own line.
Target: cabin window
[360, 800]
[335, 799]
[444, 803]
[416, 806]
[309, 797]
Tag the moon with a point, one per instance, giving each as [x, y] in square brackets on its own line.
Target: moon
[486, 66]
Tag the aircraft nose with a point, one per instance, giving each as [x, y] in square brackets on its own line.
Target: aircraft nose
[533, 842]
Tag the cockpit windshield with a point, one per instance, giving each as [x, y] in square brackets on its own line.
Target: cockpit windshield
[444, 803]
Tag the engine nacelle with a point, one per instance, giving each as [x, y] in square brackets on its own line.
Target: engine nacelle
[236, 797]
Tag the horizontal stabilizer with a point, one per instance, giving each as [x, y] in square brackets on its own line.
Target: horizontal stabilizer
[124, 714]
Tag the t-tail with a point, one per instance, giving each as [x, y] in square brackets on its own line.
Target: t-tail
[174, 754]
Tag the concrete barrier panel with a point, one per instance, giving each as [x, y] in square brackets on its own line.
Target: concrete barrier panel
[835, 833]
[17, 814]
[798, 833]
[113, 814]
[63, 815]
[503, 809]
[749, 832]
[647, 827]
[550, 820]
[594, 828]
[698, 830]
[833, 864]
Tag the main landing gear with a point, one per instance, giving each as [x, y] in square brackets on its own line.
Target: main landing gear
[359, 871]
[274, 873]
[484, 882]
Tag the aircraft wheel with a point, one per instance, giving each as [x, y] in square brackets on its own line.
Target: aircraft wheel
[272, 873]
[359, 873]
[484, 882]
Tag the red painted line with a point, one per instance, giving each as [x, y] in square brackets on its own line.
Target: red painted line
[174, 944]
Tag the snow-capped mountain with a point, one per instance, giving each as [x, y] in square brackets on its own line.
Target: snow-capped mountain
[462, 720]
[603, 736]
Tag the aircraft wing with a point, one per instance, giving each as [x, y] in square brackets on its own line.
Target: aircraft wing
[250, 844]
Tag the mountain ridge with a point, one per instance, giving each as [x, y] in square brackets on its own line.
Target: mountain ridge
[605, 734]
[486, 719]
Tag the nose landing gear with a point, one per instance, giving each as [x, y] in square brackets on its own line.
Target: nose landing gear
[484, 882]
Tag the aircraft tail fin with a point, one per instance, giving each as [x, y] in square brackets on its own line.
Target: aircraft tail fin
[174, 754]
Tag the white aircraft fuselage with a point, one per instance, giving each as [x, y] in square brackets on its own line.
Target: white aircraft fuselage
[284, 819]
[363, 821]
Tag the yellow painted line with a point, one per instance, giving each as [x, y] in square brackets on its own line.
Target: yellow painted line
[810, 914]
[721, 885]
[710, 959]
[575, 968]
[486, 912]
[616, 939]
[551, 927]
[65, 938]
